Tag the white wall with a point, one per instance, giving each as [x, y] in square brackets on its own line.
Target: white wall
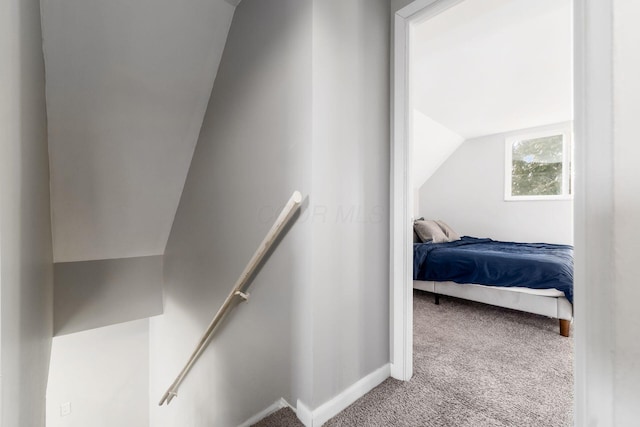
[104, 374]
[253, 152]
[467, 192]
[26, 266]
[92, 294]
[626, 227]
[350, 260]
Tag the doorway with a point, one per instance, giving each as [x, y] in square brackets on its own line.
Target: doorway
[592, 123]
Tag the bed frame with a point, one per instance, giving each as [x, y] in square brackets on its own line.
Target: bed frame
[545, 302]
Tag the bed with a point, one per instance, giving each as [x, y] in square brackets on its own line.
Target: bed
[531, 277]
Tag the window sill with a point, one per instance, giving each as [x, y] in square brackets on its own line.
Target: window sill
[537, 198]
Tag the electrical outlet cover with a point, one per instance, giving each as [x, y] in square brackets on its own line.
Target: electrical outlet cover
[65, 409]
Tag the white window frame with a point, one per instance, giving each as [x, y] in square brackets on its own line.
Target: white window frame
[567, 164]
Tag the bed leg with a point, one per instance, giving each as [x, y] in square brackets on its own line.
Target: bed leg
[565, 327]
[437, 299]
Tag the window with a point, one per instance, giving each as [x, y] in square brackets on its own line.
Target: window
[538, 166]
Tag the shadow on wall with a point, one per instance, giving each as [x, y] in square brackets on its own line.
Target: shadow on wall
[92, 294]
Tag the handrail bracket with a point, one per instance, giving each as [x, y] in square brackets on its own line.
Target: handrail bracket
[243, 295]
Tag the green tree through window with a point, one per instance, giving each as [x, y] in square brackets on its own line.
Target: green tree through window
[538, 164]
[537, 167]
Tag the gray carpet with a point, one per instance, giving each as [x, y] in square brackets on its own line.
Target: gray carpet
[282, 418]
[474, 365]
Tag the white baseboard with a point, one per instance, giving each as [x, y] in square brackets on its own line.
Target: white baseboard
[275, 406]
[304, 414]
[331, 408]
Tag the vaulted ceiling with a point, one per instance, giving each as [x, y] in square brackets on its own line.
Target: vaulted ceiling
[128, 83]
[490, 66]
[484, 67]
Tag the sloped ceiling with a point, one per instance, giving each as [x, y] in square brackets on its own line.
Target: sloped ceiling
[128, 82]
[432, 145]
[490, 66]
[484, 67]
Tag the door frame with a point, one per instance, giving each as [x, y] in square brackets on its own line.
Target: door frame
[593, 204]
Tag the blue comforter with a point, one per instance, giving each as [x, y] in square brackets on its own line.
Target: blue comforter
[489, 262]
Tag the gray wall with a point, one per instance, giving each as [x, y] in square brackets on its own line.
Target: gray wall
[25, 231]
[467, 192]
[350, 259]
[253, 152]
[626, 227]
[91, 294]
[318, 318]
[104, 374]
[396, 5]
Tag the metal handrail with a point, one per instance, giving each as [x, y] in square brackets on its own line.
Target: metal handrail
[238, 291]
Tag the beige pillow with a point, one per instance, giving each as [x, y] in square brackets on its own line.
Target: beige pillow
[448, 231]
[429, 231]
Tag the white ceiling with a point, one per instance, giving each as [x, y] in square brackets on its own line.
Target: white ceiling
[432, 146]
[491, 66]
[127, 87]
